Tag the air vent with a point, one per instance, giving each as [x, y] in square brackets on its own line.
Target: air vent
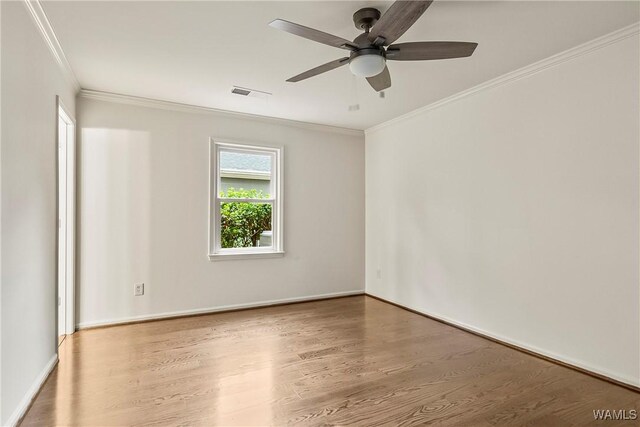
[254, 93]
[238, 91]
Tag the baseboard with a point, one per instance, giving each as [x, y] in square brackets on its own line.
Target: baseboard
[32, 393]
[525, 348]
[210, 310]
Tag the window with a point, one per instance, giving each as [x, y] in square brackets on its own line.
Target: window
[245, 205]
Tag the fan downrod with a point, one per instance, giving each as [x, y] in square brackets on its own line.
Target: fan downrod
[365, 18]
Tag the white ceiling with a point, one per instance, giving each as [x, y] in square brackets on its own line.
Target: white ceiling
[193, 52]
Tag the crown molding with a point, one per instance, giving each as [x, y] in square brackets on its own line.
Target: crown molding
[552, 61]
[189, 108]
[46, 30]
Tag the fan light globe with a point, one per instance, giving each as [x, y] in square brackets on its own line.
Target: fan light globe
[367, 65]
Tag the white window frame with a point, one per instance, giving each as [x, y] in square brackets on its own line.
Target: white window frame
[216, 252]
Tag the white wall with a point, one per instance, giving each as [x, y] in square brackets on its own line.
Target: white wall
[514, 211]
[31, 79]
[1, 417]
[144, 175]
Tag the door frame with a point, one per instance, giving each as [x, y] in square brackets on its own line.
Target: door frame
[65, 114]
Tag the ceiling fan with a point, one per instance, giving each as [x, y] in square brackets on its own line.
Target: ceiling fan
[371, 50]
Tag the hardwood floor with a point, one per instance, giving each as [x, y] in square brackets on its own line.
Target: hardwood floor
[347, 361]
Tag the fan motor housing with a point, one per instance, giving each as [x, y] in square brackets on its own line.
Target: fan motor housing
[367, 51]
[366, 17]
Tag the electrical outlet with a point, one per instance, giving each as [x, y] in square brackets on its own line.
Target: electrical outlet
[138, 289]
[379, 273]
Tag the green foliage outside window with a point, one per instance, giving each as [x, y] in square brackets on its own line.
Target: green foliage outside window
[242, 222]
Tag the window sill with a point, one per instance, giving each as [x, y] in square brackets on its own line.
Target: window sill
[246, 255]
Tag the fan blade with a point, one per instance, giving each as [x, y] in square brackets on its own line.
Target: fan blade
[382, 81]
[311, 34]
[319, 70]
[396, 20]
[418, 51]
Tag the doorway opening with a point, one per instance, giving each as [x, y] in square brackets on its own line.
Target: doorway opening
[65, 222]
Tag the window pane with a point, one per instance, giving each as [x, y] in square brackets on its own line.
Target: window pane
[245, 175]
[244, 225]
